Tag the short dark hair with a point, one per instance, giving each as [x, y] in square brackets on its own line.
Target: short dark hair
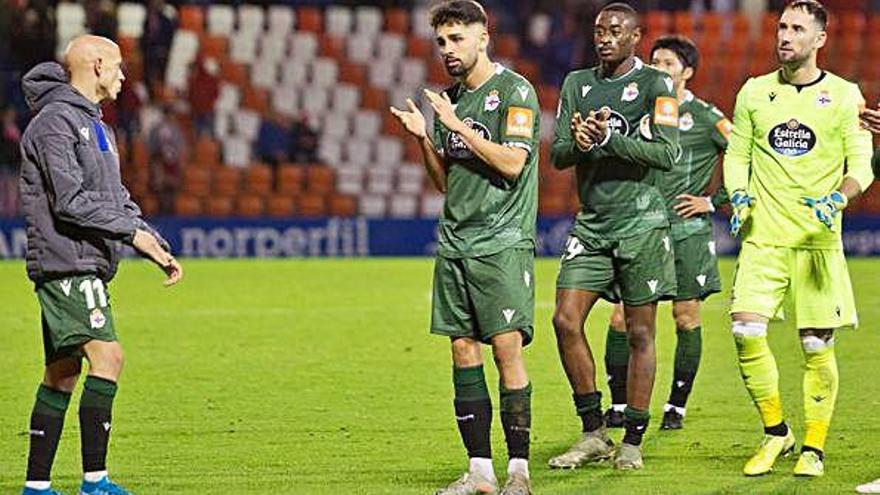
[458, 12]
[812, 7]
[681, 46]
[623, 8]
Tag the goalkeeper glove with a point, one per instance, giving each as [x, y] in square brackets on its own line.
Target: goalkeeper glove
[826, 207]
[742, 204]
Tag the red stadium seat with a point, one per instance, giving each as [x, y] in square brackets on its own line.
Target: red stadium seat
[353, 73]
[206, 153]
[250, 206]
[256, 99]
[258, 180]
[280, 206]
[658, 21]
[418, 47]
[684, 24]
[341, 205]
[219, 206]
[311, 205]
[331, 47]
[548, 97]
[397, 21]
[374, 99]
[506, 46]
[291, 179]
[196, 181]
[309, 19]
[320, 179]
[214, 46]
[191, 18]
[713, 26]
[140, 155]
[226, 181]
[149, 205]
[187, 206]
[234, 73]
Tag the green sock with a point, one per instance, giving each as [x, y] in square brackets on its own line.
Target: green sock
[473, 410]
[688, 349]
[617, 364]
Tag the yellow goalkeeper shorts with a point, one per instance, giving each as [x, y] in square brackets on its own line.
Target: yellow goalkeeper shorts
[816, 280]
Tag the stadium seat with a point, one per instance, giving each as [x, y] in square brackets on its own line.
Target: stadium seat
[251, 18]
[309, 19]
[658, 21]
[130, 19]
[213, 46]
[243, 47]
[338, 20]
[417, 47]
[350, 180]
[413, 73]
[272, 48]
[360, 47]
[420, 25]
[311, 205]
[315, 100]
[341, 205]
[374, 99]
[367, 124]
[228, 99]
[149, 204]
[410, 178]
[329, 150]
[432, 204]
[196, 181]
[140, 156]
[285, 101]
[191, 18]
[294, 75]
[246, 122]
[258, 180]
[234, 73]
[853, 23]
[291, 179]
[303, 46]
[226, 181]
[337, 125]
[264, 74]
[250, 206]
[368, 20]
[187, 206]
[345, 98]
[206, 152]
[683, 23]
[320, 179]
[380, 181]
[236, 151]
[372, 206]
[221, 19]
[282, 19]
[390, 46]
[324, 73]
[280, 206]
[389, 150]
[219, 206]
[353, 74]
[358, 151]
[383, 73]
[403, 206]
[332, 47]
[396, 20]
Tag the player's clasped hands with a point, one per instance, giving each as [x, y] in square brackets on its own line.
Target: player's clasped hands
[413, 120]
[444, 110]
[146, 243]
[592, 130]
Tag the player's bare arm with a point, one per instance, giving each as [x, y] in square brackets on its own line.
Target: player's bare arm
[508, 161]
[414, 123]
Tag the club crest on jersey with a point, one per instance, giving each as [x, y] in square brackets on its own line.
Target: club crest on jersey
[618, 123]
[630, 92]
[792, 138]
[492, 101]
[823, 100]
[97, 319]
[456, 148]
[686, 122]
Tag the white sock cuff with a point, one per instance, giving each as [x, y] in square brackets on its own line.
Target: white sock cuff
[618, 407]
[94, 476]
[520, 466]
[669, 407]
[38, 485]
[813, 344]
[483, 466]
[749, 329]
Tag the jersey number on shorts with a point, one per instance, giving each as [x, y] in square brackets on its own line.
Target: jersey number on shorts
[89, 288]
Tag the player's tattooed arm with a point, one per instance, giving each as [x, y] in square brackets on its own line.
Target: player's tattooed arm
[508, 161]
[414, 123]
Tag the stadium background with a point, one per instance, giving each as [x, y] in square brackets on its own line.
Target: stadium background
[262, 129]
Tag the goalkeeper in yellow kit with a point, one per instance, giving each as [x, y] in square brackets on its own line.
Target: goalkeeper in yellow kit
[796, 157]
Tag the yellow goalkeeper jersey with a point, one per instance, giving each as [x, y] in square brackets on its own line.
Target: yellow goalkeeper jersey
[791, 141]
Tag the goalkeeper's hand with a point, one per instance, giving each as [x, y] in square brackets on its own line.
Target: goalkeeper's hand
[827, 207]
[742, 204]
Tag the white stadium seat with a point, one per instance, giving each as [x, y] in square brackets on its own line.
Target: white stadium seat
[294, 73]
[303, 46]
[372, 206]
[350, 180]
[432, 205]
[282, 19]
[285, 101]
[130, 18]
[368, 20]
[413, 73]
[236, 151]
[360, 48]
[246, 124]
[338, 20]
[421, 27]
[228, 99]
[314, 100]
[410, 179]
[251, 18]
[336, 125]
[325, 72]
[358, 151]
[272, 47]
[264, 74]
[403, 206]
[330, 150]
[391, 46]
[380, 180]
[243, 47]
[382, 74]
[221, 19]
[389, 150]
[346, 98]
[367, 124]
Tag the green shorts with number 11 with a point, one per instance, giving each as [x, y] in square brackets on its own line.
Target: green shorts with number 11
[74, 310]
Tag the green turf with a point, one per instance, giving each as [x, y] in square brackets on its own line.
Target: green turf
[319, 377]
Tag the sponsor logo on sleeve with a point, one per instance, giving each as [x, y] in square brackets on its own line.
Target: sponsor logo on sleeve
[520, 122]
[725, 127]
[666, 111]
[792, 138]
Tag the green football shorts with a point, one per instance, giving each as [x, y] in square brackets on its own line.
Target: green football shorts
[635, 270]
[74, 310]
[696, 267]
[486, 296]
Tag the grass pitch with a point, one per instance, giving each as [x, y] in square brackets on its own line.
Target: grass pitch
[319, 377]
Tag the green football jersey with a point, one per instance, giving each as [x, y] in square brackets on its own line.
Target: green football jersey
[484, 212]
[617, 179]
[702, 132]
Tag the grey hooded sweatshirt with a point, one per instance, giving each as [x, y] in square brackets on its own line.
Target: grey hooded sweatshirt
[77, 211]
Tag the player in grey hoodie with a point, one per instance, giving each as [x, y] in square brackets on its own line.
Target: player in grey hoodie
[78, 215]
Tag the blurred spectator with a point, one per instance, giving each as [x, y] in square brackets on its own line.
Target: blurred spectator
[303, 143]
[10, 157]
[101, 18]
[159, 30]
[274, 139]
[167, 149]
[33, 36]
[129, 102]
[204, 88]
